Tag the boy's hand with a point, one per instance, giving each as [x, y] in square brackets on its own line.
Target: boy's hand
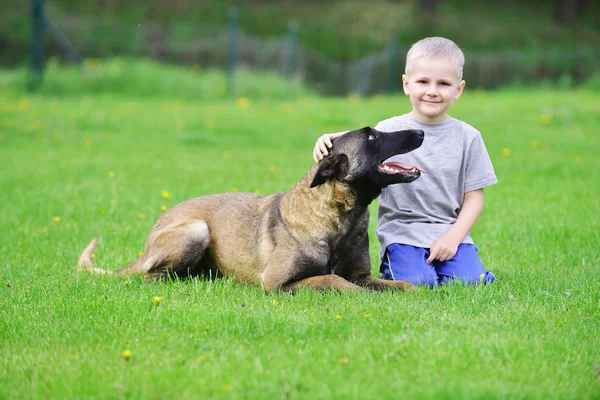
[443, 249]
[324, 143]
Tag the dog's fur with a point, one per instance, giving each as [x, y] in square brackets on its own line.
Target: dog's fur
[313, 235]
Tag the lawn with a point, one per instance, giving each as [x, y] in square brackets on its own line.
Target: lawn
[107, 155]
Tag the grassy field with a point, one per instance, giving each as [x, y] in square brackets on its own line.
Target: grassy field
[105, 157]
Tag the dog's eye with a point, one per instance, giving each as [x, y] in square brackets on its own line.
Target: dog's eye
[371, 137]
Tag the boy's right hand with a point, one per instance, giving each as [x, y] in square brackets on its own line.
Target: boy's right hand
[324, 143]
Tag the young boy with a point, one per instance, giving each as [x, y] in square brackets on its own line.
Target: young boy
[423, 226]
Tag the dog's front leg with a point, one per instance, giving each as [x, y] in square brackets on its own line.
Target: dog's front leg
[370, 282]
[324, 282]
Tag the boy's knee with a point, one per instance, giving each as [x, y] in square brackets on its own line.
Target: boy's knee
[470, 279]
[422, 277]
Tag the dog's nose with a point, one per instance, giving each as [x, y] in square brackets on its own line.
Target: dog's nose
[419, 133]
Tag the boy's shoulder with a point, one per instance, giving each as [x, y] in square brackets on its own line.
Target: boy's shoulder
[468, 129]
[394, 123]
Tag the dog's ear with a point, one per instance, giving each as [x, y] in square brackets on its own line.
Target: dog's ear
[330, 167]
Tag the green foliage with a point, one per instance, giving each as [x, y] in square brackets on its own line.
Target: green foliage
[95, 162]
[144, 78]
[593, 83]
[341, 30]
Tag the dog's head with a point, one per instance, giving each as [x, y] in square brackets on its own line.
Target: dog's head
[358, 159]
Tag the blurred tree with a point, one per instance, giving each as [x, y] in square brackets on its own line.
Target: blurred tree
[568, 10]
[427, 7]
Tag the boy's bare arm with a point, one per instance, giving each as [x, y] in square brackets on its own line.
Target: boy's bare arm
[445, 248]
[324, 143]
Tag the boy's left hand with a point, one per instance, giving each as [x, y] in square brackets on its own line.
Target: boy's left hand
[443, 249]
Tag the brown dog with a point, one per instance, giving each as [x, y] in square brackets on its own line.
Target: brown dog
[314, 235]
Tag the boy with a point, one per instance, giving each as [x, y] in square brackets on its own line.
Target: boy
[423, 227]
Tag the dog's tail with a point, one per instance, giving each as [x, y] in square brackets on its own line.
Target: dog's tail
[85, 262]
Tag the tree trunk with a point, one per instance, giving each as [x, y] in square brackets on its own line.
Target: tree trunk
[427, 7]
[567, 11]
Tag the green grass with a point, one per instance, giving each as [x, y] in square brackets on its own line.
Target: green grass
[100, 159]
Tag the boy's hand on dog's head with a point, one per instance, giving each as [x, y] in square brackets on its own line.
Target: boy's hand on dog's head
[324, 143]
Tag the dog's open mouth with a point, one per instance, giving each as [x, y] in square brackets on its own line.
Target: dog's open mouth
[395, 168]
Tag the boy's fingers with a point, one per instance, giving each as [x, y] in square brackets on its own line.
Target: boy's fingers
[432, 255]
[323, 148]
[317, 154]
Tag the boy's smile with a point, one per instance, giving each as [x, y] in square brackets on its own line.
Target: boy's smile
[432, 85]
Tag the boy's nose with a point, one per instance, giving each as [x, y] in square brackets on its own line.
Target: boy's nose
[431, 91]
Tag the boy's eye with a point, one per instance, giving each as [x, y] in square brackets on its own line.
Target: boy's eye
[445, 84]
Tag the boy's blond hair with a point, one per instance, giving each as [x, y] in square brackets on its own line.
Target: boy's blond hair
[438, 48]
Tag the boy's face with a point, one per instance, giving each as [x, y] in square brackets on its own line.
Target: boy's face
[432, 86]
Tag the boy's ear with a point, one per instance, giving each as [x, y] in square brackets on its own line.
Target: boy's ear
[405, 84]
[459, 91]
[330, 167]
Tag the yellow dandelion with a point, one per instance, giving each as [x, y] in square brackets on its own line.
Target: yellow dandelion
[284, 108]
[56, 219]
[126, 354]
[272, 168]
[545, 119]
[275, 302]
[164, 208]
[481, 277]
[227, 388]
[353, 96]
[234, 189]
[93, 256]
[165, 194]
[242, 103]
[344, 361]
[141, 216]
[22, 105]
[157, 299]
[506, 152]
[367, 315]
[96, 62]
[207, 328]
[338, 317]
[141, 253]
[257, 191]
[201, 358]
[535, 144]
[111, 174]
[578, 159]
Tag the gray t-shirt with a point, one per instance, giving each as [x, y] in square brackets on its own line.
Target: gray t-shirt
[455, 161]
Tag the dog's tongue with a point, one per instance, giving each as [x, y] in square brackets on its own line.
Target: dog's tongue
[403, 166]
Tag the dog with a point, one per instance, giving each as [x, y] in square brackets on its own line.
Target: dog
[314, 235]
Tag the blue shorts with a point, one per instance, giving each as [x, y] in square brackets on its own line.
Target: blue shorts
[408, 263]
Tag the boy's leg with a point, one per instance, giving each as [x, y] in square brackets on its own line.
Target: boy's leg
[407, 263]
[464, 266]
